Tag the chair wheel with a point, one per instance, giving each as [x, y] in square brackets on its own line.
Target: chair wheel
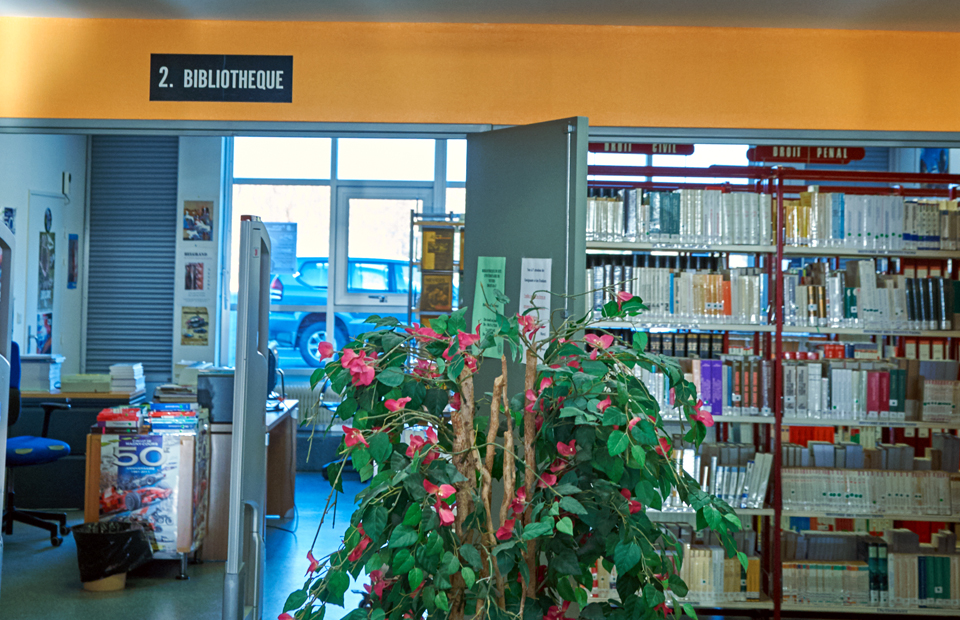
[64, 530]
[56, 541]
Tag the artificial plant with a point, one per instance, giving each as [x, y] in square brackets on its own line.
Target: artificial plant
[579, 453]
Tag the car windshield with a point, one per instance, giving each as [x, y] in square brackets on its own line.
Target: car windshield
[314, 273]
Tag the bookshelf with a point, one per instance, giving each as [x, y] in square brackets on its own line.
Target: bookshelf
[435, 268]
[782, 187]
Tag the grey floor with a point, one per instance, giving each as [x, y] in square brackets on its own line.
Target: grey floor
[40, 581]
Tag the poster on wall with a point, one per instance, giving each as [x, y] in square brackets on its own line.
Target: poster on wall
[283, 246]
[139, 476]
[47, 262]
[194, 326]
[490, 278]
[193, 277]
[73, 267]
[197, 220]
[535, 275]
[44, 333]
[10, 219]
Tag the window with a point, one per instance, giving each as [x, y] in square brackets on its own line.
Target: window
[705, 155]
[385, 159]
[456, 161]
[281, 158]
[314, 274]
[368, 277]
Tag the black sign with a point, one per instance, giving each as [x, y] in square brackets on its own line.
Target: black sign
[211, 77]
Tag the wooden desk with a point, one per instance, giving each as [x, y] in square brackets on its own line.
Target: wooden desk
[281, 474]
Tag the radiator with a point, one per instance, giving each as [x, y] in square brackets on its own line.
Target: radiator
[310, 402]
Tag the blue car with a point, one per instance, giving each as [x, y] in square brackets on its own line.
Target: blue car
[306, 329]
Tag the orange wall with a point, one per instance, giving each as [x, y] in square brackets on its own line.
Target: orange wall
[500, 74]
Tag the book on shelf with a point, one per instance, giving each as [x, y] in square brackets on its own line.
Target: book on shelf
[735, 473]
[437, 248]
[862, 222]
[437, 293]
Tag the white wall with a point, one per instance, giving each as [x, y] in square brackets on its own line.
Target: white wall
[199, 179]
[35, 163]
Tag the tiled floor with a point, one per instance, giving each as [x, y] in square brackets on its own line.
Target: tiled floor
[40, 581]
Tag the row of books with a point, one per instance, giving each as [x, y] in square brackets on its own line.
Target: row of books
[157, 418]
[735, 385]
[926, 349]
[734, 472]
[870, 492]
[691, 217]
[729, 296]
[858, 297]
[942, 455]
[884, 223]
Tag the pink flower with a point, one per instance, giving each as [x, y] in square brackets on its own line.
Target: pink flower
[353, 436]
[443, 491]
[314, 562]
[398, 404]
[519, 502]
[364, 376]
[506, 530]
[567, 449]
[545, 383]
[662, 608]
[470, 361]
[417, 442]
[424, 333]
[455, 402]
[600, 342]
[603, 404]
[633, 504]
[664, 448]
[622, 297]
[446, 354]
[361, 372]
[556, 613]
[539, 422]
[445, 513]
[633, 422]
[702, 416]
[357, 551]
[574, 363]
[528, 324]
[531, 401]
[377, 584]
[594, 354]
[558, 465]
[466, 339]
[285, 616]
[547, 480]
[325, 350]
[426, 369]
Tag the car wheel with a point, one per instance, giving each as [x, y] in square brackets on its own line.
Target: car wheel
[310, 340]
[131, 501]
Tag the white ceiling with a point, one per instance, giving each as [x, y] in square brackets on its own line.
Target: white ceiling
[932, 15]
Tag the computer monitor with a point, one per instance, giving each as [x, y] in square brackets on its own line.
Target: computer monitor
[243, 582]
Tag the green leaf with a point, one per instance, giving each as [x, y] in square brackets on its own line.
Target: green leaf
[743, 559]
[403, 536]
[565, 525]
[435, 400]
[380, 447]
[614, 417]
[378, 614]
[318, 375]
[626, 555]
[689, 610]
[595, 368]
[638, 455]
[734, 520]
[677, 586]
[337, 584]
[571, 505]
[295, 600]
[582, 597]
[570, 412]
[567, 489]
[415, 577]
[469, 577]
[617, 442]
[392, 377]
[593, 611]
[375, 520]
[639, 341]
[402, 562]
[535, 530]
[471, 555]
[413, 515]
[441, 601]
[565, 589]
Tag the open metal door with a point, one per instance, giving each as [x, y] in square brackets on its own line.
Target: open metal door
[243, 582]
[6, 331]
[526, 198]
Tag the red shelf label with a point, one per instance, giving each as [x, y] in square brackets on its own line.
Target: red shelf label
[805, 154]
[637, 148]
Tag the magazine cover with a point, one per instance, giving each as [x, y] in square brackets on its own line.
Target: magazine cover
[194, 326]
[197, 220]
[193, 277]
[139, 475]
[437, 293]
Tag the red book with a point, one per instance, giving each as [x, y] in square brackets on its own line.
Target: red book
[884, 394]
[873, 395]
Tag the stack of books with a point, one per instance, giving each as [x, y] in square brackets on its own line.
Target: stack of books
[119, 420]
[40, 373]
[85, 383]
[127, 378]
[172, 393]
[172, 418]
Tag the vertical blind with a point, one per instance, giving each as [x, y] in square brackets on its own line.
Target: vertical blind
[132, 262]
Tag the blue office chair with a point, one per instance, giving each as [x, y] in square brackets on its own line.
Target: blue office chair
[27, 450]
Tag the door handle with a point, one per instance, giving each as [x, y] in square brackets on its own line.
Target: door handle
[381, 298]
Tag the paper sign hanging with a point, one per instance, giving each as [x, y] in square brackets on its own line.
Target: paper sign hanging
[535, 281]
[490, 277]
